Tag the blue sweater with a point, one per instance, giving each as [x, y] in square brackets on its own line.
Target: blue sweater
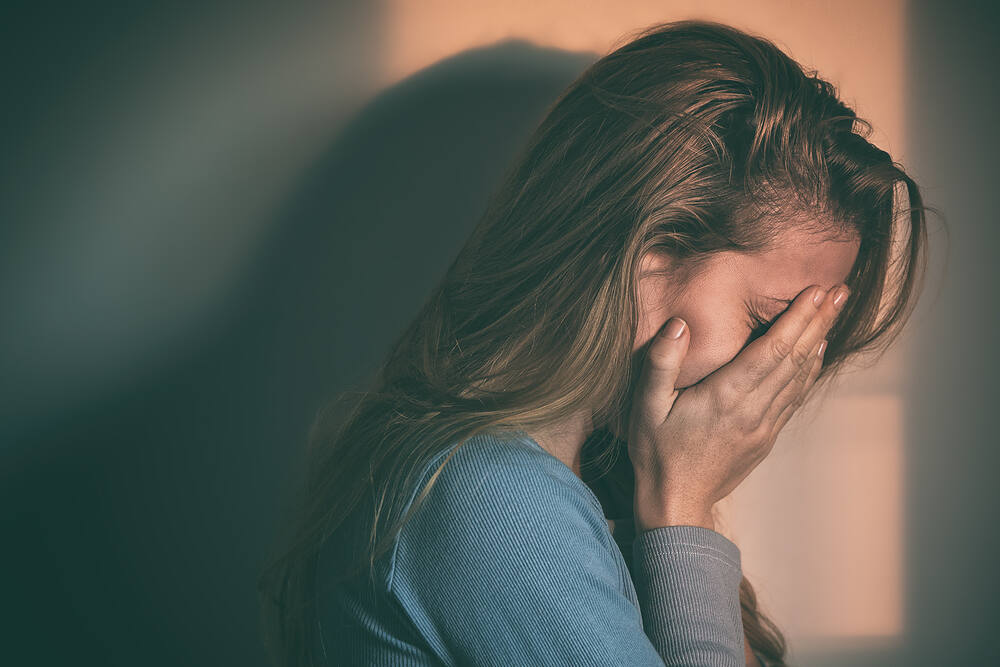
[510, 561]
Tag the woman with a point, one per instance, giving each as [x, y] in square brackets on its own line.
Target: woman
[649, 297]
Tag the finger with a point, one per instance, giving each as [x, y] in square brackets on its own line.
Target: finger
[762, 356]
[794, 388]
[810, 338]
[655, 390]
[791, 408]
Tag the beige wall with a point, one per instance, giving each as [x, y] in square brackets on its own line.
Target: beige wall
[819, 523]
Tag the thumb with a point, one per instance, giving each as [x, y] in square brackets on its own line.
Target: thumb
[655, 390]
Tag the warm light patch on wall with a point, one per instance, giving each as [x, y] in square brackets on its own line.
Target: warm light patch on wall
[819, 522]
[857, 44]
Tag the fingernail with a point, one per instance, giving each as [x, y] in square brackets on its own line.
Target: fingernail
[841, 297]
[674, 328]
[818, 297]
[822, 346]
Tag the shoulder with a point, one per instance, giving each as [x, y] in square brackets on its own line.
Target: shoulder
[498, 498]
[509, 560]
[514, 468]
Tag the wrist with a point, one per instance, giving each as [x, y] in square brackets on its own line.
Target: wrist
[654, 511]
[676, 518]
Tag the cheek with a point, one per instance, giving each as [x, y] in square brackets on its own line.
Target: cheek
[714, 343]
[717, 320]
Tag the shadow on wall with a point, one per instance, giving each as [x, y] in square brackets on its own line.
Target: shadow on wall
[137, 532]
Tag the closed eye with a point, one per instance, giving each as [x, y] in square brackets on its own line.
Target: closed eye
[758, 326]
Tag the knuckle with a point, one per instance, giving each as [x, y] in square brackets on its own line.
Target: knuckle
[761, 433]
[781, 347]
[749, 420]
[717, 394]
[800, 356]
[732, 421]
[719, 400]
[729, 393]
[804, 373]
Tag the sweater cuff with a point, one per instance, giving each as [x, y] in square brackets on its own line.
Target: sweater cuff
[673, 539]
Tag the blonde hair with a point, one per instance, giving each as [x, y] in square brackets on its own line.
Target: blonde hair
[692, 138]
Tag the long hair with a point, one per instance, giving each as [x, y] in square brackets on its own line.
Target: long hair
[692, 138]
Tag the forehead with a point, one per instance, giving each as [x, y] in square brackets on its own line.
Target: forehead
[785, 270]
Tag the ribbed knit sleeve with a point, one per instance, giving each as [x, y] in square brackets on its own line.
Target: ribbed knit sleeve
[509, 561]
[687, 579]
